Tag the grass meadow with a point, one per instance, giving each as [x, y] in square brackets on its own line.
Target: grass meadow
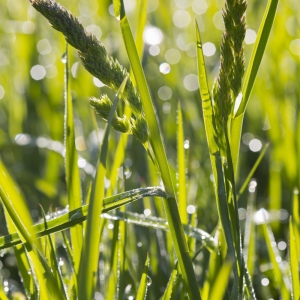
[149, 149]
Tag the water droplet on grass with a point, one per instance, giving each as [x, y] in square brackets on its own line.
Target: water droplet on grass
[64, 58]
[149, 281]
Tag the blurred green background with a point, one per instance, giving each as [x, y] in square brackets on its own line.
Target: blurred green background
[32, 103]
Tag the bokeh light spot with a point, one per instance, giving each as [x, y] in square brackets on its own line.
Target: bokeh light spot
[218, 20]
[295, 46]
[190, 209]
[2, 91]
[250, 36]
[199, 7]
[154, 50]
[153, 35]
[44, 47]
[209, 49]
[172, 56]
[164, 93]
[181, 18]
[255, 145]
[190, 82]
[164, 68]
[38, 72]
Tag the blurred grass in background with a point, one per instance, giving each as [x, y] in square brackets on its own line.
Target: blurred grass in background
[32, 118]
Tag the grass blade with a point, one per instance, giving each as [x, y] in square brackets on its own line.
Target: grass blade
[182, 203]
[169, 289]
[66, 220]
[217, 168]
[294, 263]
[90, 254]
[219, 288]
[250, 76]
[273, 254]
[250, 175]
[170, 204]
[145, 281]
[72, 170]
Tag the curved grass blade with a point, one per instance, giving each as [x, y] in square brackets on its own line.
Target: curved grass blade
[294, 263]
[66, 220]
[90, 254]
[181, 168]
[71, 166]
[145, 281]
[250, 76]
[170, 204]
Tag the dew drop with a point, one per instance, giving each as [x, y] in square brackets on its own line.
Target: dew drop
[64, 58]
[149, 281]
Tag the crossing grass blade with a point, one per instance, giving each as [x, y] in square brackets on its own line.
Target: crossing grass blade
[294, 262]
[71, 166]
[250, 76]
[170, 204]
[79, 215]
[90, 254]
[144, 283]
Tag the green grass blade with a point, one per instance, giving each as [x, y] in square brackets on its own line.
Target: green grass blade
[216, 162]
[294, 263]
[169, 289]
[250, 175]
[112, 286]
[71, 166]
[53, 261]
[170, 204]
[219, 288]
[250, 76]
[273, 254]
[181, 168]
[16, 208]
[144, 283]
[296, 218]
[79, 215]
[90, 255]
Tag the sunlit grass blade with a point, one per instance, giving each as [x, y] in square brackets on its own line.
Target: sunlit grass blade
[66, 220]
[73, 285]
[219, 288]
[90, 254]
[182, 203]
[71, 166]
[112, 286]
[170, 204]
[144, 283]
[16, 208]
[250, 76]
[296, 219]
[294, 262]
[169, 289]
[278, 275]
[250, 175]
[216, 162]
[3, 295]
